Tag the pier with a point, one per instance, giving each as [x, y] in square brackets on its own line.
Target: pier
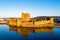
[3, 22]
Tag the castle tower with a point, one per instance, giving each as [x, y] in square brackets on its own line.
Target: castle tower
[52, 20]
[25, 16]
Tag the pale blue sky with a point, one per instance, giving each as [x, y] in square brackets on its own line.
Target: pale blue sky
[14, 8]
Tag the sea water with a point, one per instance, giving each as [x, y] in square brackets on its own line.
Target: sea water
[6, 34]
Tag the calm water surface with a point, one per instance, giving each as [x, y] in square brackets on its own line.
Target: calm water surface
[6, 34]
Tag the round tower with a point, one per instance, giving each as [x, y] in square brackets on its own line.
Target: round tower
[52, 20]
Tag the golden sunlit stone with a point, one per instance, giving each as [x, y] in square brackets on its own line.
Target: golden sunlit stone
[26, 21]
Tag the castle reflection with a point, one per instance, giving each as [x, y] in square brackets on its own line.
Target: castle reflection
[26, 31]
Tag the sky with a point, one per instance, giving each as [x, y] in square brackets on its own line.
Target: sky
[14, 8]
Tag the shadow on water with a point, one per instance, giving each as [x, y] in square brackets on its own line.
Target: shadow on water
[13, 33]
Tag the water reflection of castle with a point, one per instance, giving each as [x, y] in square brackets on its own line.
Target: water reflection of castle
[26, 31]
